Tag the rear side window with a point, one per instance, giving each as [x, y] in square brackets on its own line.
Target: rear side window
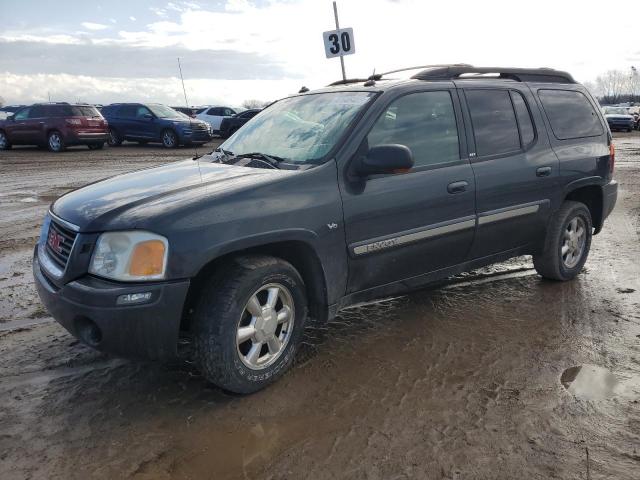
[425, 122]
[38, 111]
[494, 122]
[570, 114]
[215, 111]
[128, 111]
[527, 133]
[84, 111]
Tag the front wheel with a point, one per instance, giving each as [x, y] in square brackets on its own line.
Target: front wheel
[248, 323]
[4, 141]
[567, 243]
[169, 139]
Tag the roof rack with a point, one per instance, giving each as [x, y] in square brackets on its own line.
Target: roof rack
[450, 72]
[347, 81]
[378, 76]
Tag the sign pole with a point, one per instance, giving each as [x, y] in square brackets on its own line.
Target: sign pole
[335, 13]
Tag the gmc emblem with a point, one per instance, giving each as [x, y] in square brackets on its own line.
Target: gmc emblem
[55, 241]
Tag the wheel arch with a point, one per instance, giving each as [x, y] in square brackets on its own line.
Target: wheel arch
[299, 253]
[590, 193]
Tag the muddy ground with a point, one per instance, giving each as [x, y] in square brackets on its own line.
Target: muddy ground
[471, 381]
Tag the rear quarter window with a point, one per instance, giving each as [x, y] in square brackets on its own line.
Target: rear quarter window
[570, 114]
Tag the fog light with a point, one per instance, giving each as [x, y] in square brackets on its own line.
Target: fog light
[133, 298]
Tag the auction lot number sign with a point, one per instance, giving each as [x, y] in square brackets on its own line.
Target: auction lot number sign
[338, 43]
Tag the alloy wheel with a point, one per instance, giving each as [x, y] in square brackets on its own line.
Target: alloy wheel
[265, 326]
[169, 139]
[55, 142]
[573, 242]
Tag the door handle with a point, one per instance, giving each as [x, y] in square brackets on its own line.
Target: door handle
[543, 172]
[457, 187]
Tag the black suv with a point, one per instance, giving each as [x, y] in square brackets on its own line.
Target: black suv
[153, 122]
[357, 191]
[230, 125]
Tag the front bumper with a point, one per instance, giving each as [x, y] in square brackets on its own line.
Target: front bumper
[621, 125]
[87, 309]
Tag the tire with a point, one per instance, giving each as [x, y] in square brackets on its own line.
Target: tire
[55, 141]
[4, 141]
[114, 139]
[96, 146]
[169, 139]
[553, 263]
[222, 314]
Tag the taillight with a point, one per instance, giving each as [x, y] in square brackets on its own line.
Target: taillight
[612, 157]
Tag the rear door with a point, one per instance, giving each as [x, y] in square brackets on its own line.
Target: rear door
[516, 171]
[125, 121]
[404, 225]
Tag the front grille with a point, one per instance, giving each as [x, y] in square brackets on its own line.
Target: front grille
[66, 238]
[200, 131]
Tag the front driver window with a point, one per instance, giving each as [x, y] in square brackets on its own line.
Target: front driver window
[142, 111]
[22, 114]
[425, 122]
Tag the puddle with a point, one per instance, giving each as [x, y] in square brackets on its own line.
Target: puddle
[590, 382]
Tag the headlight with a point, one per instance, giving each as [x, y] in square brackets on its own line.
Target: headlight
[130, 256]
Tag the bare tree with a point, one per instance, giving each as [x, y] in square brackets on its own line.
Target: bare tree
[612, 84]
[253, 103]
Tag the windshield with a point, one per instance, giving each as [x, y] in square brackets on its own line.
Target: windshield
[162, 111]
[299, 129]
[616, 111]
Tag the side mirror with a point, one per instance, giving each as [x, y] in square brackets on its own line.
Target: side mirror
[392, 158]
[148, 116]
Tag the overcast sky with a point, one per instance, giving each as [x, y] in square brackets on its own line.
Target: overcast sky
[232, 50]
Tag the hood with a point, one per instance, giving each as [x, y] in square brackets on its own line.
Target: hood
[159, 189]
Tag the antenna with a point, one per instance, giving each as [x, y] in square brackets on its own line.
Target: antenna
[186, 102]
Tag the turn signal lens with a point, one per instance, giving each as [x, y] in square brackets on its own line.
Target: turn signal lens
[147, 259]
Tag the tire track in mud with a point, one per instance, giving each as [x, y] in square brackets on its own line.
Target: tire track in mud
[457, 382]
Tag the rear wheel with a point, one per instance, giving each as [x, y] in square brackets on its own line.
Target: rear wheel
[249, 322]
[567, 243]
[169, 139]
[55, 142]
[4, 141]
[114, 138]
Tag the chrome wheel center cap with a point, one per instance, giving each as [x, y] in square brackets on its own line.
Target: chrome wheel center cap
[266, 325]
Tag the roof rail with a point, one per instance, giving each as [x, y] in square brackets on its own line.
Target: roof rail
[347, 81]
[450, 72]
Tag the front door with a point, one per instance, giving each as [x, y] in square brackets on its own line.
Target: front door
[17, 127]
[515, 169]
[403, 225]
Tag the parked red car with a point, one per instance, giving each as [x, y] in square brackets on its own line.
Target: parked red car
[56, 126]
